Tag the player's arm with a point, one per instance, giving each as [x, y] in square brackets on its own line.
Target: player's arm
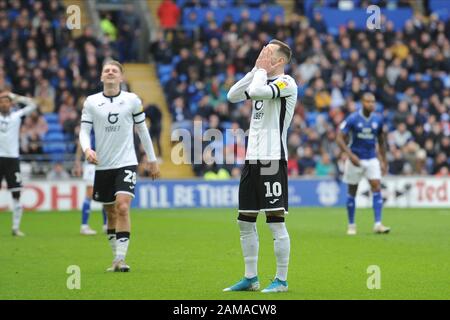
[77, 164]
[30, 104]
[342, 141]
[85, 134]
[382, 143]
[260, 90]
[238, 92]
[144, 136]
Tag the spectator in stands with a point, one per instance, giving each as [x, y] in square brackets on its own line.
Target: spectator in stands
[306, 163]
[441, 166]
[108, 27]
[58, 172]
[153, 113]
[181, 115]
[324, 167]
[400, 136]
[169, 15]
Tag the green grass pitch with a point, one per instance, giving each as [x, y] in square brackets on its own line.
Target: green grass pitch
[194, 254]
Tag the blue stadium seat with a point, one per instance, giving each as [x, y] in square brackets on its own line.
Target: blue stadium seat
[54, 147]
[54, 136]
[54, 127]
[311, 118]
[441, 8]
[51, 117]
[235, 12]
[226, 124]
[164, 69]
[57, 157]
[334, 18]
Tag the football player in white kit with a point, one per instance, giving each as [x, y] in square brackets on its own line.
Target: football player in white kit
[9, 150]
[88, 171]
[113, 115]
[264, 180]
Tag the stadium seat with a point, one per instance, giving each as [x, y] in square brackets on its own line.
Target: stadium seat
[54, 147]
[334, 18]
[54, 127]
[54, 136]
[441, 8]
[51, 117]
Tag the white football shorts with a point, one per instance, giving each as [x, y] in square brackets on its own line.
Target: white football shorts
[89, 173]
[369, 168]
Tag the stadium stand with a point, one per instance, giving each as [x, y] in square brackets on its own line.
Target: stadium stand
[213, 44]
[335, 60]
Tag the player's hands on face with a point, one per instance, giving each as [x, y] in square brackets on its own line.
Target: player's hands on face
[153, 168]
[264, 60]
[354, 159]
[91, 156]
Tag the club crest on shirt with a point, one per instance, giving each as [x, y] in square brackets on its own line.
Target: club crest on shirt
[374, 125]
[258, 105]
[113, 118]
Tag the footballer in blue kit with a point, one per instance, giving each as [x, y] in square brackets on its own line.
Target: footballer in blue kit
[358, 137]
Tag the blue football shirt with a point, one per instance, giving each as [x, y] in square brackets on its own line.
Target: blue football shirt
[363, 133]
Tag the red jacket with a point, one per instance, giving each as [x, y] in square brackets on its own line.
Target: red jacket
[168, 14]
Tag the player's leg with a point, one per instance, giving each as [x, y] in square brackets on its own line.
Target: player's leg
[352, 176]
[88, 177]
[351, 208]
[374, 177]
[17, 210]
[109, 209]
[250, 248]
[14, 183]
[124, 184]
[123, 228]
[282, 249]
[105, 220]
[86, 212]
[104, 192]
[248, 211]
[274, 201]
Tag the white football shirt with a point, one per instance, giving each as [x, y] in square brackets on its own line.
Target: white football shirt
[273, 102]
[10, 131]
[113, 119]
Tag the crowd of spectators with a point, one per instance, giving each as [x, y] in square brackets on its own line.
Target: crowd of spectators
[406, 70]
[40, 58]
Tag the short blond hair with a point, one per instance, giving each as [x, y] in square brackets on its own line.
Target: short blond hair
[283, 48]
[114, 63]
